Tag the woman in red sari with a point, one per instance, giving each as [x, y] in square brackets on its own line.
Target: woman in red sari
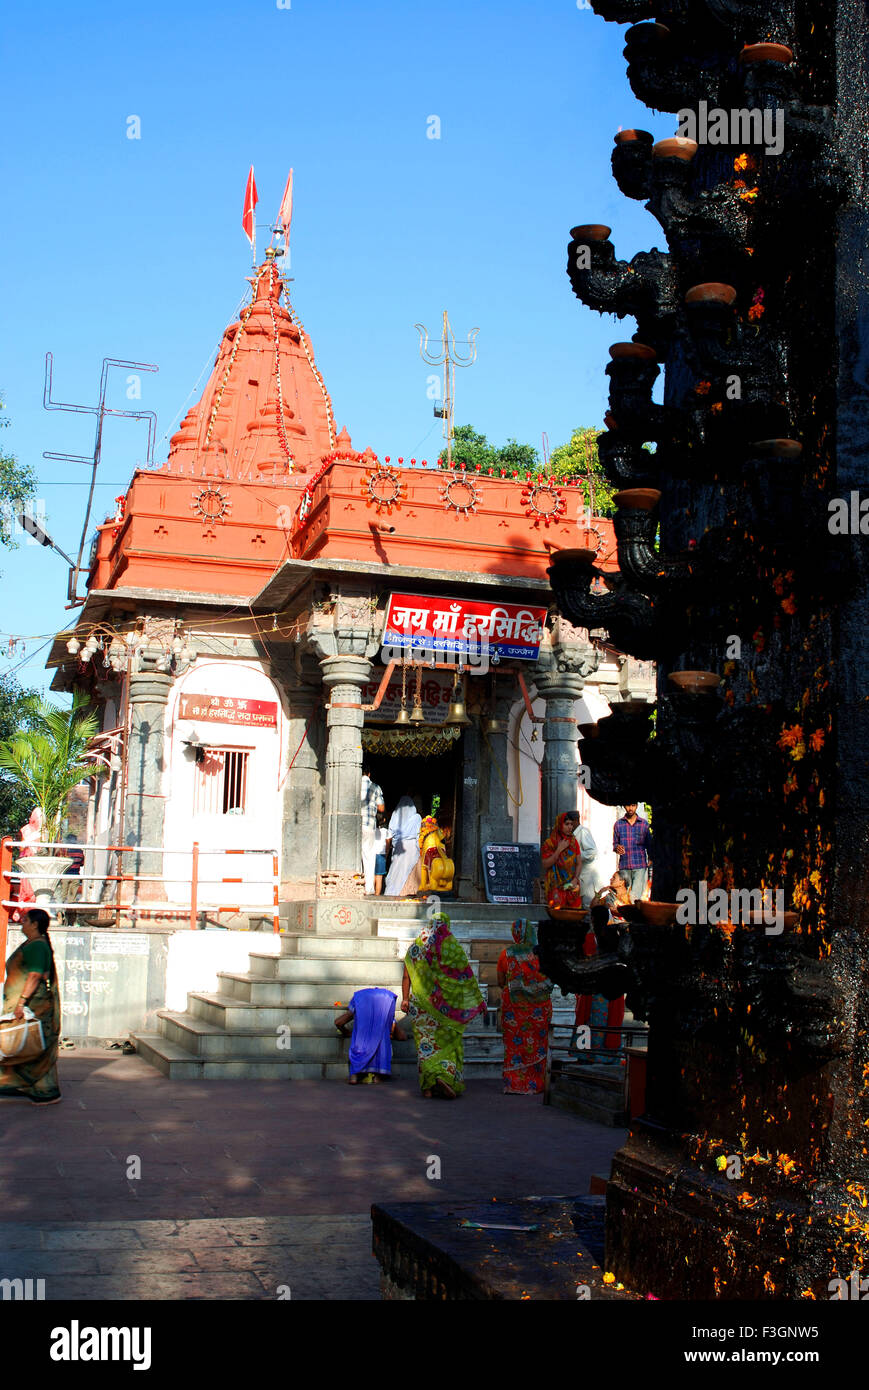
[560, 858]
[526, 1012]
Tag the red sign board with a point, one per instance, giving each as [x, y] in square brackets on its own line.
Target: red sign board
[463, 626]
[230, 709]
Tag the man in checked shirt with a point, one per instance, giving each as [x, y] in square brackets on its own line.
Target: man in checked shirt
[632, 842]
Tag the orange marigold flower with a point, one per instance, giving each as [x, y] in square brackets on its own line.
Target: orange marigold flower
[749, 195]
[740, 163]
[756, 312]
[790, 736]
[716, 408]
[702, 388]
[816, 740]
[789, 604]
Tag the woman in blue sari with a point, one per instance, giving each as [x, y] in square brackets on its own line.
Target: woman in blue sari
[372, 1013]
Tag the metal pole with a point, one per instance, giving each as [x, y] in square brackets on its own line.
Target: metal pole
[194, 885]
[5, 868]
[276, 916]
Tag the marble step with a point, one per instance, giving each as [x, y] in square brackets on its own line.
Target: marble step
[207, 1039]
[178, 1064]
[346, 947]
[358, 970]
[298, 990]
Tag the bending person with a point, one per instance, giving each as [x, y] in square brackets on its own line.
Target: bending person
[372, 1013]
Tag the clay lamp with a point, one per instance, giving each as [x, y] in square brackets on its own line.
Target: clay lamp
[711, 293]
[650, 30]
[758, 919]
[638, 499]
[658, 914]
[676, 147]
[638, 352]
[627, 137]
[777, 448]
[766, 53]
[591, 231]
[696, 682]
[579, 556]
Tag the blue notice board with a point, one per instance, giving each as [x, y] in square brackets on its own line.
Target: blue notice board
[509, 872]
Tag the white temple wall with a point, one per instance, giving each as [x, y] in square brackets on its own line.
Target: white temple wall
[232, 800]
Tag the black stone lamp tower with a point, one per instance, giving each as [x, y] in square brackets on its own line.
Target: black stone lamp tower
[748, 1176]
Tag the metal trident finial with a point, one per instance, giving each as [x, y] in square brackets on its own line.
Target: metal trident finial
[449, 359]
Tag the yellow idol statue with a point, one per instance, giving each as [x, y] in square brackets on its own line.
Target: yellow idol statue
[438, 869]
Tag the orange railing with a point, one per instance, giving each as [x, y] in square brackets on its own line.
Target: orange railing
[132, 906]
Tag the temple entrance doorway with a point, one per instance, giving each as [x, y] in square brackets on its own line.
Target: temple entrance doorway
[423, 777]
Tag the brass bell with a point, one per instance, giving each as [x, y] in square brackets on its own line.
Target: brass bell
[417, 714]
[458, 714]
[402, 718]
[495, 726]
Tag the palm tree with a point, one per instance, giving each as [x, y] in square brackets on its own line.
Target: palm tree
[50, 758]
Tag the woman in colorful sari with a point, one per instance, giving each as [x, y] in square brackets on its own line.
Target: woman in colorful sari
[568, 857]
[31, 980]
[526, 1012]
[440, 997]
[560, 857]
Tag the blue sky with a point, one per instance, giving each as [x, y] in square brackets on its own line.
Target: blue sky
[134, 248]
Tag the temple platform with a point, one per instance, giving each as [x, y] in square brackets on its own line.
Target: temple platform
[446, 1251]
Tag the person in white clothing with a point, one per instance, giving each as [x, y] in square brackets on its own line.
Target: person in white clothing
[371, 802]
[404, 875]
[591, 876]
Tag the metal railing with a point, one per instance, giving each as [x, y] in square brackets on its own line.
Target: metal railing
[122, 903]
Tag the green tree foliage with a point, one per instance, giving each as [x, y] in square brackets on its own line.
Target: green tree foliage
[572, 462]
[479, 456]
[48, 755]
[16, 803]
[578, 460]
[17, 485]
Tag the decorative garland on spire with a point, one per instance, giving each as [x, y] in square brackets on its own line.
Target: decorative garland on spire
[272, 299]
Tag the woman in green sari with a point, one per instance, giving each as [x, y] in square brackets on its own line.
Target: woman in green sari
[31, 979]
[440, 997]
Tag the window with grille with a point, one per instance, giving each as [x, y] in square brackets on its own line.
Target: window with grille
[221, 782]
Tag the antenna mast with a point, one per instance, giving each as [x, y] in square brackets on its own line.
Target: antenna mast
[449, 359]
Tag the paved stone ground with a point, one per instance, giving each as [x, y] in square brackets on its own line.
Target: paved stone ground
[248, 1186]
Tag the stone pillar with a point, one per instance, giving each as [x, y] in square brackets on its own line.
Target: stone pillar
[468, 879]
[496, 822]
[303, 790]
[341, 840]
[559, 678]
[145, 800]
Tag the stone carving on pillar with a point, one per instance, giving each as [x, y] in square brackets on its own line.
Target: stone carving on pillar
[562, 669]
[145, 799]
[341, 633]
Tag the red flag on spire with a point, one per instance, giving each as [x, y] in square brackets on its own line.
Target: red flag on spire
[285, 216]
[251, 198]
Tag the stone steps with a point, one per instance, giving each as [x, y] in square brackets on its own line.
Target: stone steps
[290, 996]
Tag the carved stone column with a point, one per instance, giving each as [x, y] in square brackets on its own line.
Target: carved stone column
[496, 822]
[341, 842]
[342, 636]
[145, 800]
[559, 678]
[303, 789]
